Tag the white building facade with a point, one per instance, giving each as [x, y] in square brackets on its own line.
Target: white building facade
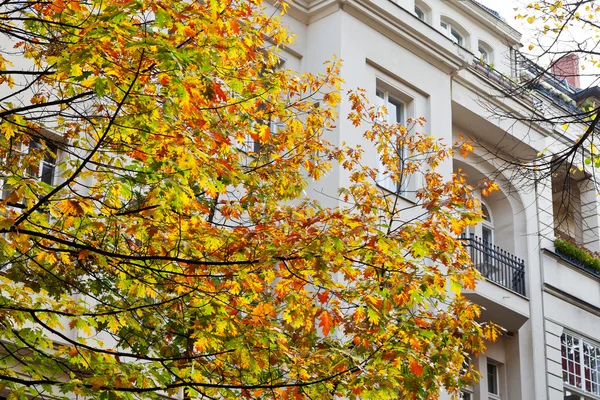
[450, 62]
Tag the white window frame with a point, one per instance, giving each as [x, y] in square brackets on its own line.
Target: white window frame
[483, 55]
[487, 224]
[496, 378]
[420, 13]
[579, 386]
[425, 9]
[453, 33]
[486, 52]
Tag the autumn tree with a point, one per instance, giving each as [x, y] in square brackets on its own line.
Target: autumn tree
[156, 238]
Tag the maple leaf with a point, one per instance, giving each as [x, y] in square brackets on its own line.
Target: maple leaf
[326, 322]
[416, 368]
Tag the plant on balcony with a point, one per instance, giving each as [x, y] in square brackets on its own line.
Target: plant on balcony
[577, 253]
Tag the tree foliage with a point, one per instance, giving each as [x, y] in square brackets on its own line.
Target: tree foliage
[563, 34]
[168, 256]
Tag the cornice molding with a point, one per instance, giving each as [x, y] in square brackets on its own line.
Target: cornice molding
[408, 31]
[497, 27]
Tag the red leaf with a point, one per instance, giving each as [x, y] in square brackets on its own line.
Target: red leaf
[218, 92]
[323, 296]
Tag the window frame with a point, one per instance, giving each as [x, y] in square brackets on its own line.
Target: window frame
[495, 378]
[47, 163]
[425, 9]
[487, 224]
[385, 181]
[454, 32]
[486, 52]
[420, 13]
[580, 368]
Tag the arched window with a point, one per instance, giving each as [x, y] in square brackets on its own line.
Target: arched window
[487, 226]
[486, 53]
[422, 11]
[454, 31]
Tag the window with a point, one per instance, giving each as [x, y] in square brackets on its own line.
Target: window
[486, 53]
[420, 13]
[580, 365]
[492, 379]
[483, 54]
[566, 206]
[453, 32]
[487, 228]
[395, 114]
[44, 170]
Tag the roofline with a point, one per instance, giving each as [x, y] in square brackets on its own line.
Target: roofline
[496, 24]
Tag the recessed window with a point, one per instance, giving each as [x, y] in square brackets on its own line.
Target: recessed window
[580, 364]
[395, 115]
[492, 378]
[453, 32]
[423, 11]
[486, 53]
[483, 54]
[420, 13]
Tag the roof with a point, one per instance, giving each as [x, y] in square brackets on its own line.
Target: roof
[490, 11]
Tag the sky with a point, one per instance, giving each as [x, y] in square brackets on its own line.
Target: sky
[506, 9]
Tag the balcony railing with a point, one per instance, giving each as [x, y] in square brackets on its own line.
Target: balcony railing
[497, 265]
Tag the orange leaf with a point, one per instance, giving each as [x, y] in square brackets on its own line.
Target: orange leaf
[326, 322]
[416, 368]
[323, 296]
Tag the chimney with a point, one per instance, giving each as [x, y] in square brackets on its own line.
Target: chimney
[567, 67]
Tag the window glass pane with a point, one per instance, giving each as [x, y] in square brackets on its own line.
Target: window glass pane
[420, 13]
[483, 54]
[444, 25]
[487, 235]
[571, 360]
[486, 213]
[396, 111]
[492, 375]
[47, 173]
[456, 36]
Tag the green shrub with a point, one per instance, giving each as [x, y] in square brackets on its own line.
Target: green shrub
[584, 256]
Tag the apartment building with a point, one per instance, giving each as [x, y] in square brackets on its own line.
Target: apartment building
[450, 62]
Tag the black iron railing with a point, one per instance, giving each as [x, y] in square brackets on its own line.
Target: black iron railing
[496, 264]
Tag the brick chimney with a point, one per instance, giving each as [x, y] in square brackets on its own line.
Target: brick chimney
[567, 67]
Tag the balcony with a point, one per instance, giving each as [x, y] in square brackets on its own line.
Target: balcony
[502, 294]
[497, 265]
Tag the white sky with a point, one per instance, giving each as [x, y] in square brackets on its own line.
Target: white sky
[506, 8]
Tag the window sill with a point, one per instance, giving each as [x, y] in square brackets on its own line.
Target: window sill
[577, 391]
[401, 195]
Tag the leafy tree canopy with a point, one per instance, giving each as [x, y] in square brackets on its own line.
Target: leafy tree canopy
[175, 250]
